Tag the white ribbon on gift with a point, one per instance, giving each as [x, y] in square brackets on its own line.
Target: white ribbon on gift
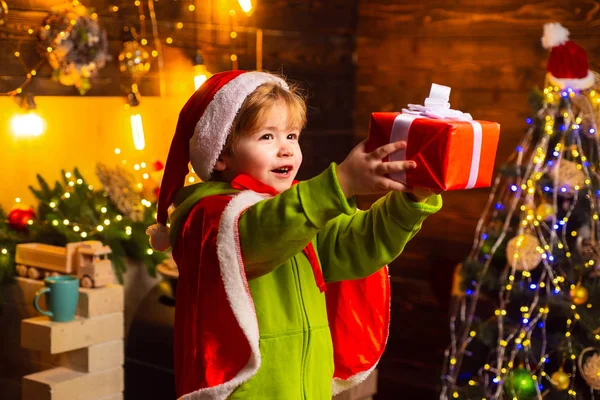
[436, 106]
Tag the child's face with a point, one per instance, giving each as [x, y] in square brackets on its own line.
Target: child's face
[271, 154]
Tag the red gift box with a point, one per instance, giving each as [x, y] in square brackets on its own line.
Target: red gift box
[451, 154]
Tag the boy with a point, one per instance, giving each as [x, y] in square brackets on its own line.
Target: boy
[283, 290]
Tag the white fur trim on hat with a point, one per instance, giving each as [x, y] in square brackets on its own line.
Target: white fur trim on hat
[213, 128]
[579, 84]
[554, 35]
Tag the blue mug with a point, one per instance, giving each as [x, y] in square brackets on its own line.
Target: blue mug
[62, 294]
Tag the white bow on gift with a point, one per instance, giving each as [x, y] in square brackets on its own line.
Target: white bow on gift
[437, 106]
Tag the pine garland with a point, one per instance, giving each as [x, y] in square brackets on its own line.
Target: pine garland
[73, 211]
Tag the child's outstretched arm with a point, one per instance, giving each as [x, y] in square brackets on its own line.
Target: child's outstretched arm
[354, 246]
[274, 230]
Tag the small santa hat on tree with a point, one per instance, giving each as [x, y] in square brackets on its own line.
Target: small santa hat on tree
[204, 124]
[568, 63]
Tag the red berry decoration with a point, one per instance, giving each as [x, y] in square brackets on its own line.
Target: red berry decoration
[157, 165]
[18, 218]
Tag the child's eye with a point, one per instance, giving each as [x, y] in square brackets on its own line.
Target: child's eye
[292, 136]
[266, 136]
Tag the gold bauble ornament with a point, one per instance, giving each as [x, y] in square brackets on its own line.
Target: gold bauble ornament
[522, 252]
[590, 371]
[3, 12]
[579, 295]
[568, 177]
[134, 59]
[545, 211]
[560, 380]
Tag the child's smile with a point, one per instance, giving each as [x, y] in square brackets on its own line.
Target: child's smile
[283, 171]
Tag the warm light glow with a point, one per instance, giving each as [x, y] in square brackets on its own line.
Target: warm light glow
[28, 125]
[137, 129]
[201, 74]
[246, 6]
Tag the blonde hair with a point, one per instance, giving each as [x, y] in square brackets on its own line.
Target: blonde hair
[254, 110]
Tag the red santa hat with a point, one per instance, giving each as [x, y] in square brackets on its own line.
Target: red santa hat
[568, 63]
[202, 129]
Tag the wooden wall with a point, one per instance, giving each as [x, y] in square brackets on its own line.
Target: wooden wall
[489, 52]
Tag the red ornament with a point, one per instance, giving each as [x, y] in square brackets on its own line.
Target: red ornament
[18, 218]
[157, 165]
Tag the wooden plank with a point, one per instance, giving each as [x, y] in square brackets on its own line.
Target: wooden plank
[469, 18]
[337, 16]
[505, 65]
[330, 16]
[309, 54]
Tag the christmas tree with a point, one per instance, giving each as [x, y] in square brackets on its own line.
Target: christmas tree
[526, 324]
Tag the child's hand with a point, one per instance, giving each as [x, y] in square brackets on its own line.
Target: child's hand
[364, 173]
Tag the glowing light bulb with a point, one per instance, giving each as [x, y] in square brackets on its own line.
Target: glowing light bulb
[29, 124]
[137, 129]
[201, 74]
[246, 6]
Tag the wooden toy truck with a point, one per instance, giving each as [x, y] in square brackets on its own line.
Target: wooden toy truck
[87, 260]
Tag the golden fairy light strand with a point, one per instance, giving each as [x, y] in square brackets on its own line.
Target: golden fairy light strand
[158, 46]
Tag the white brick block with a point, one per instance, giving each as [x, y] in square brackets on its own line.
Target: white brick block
[65, 384]
[95, 358]
[58, 337]
[100, 301]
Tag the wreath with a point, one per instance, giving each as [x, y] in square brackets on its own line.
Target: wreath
[75, 46]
